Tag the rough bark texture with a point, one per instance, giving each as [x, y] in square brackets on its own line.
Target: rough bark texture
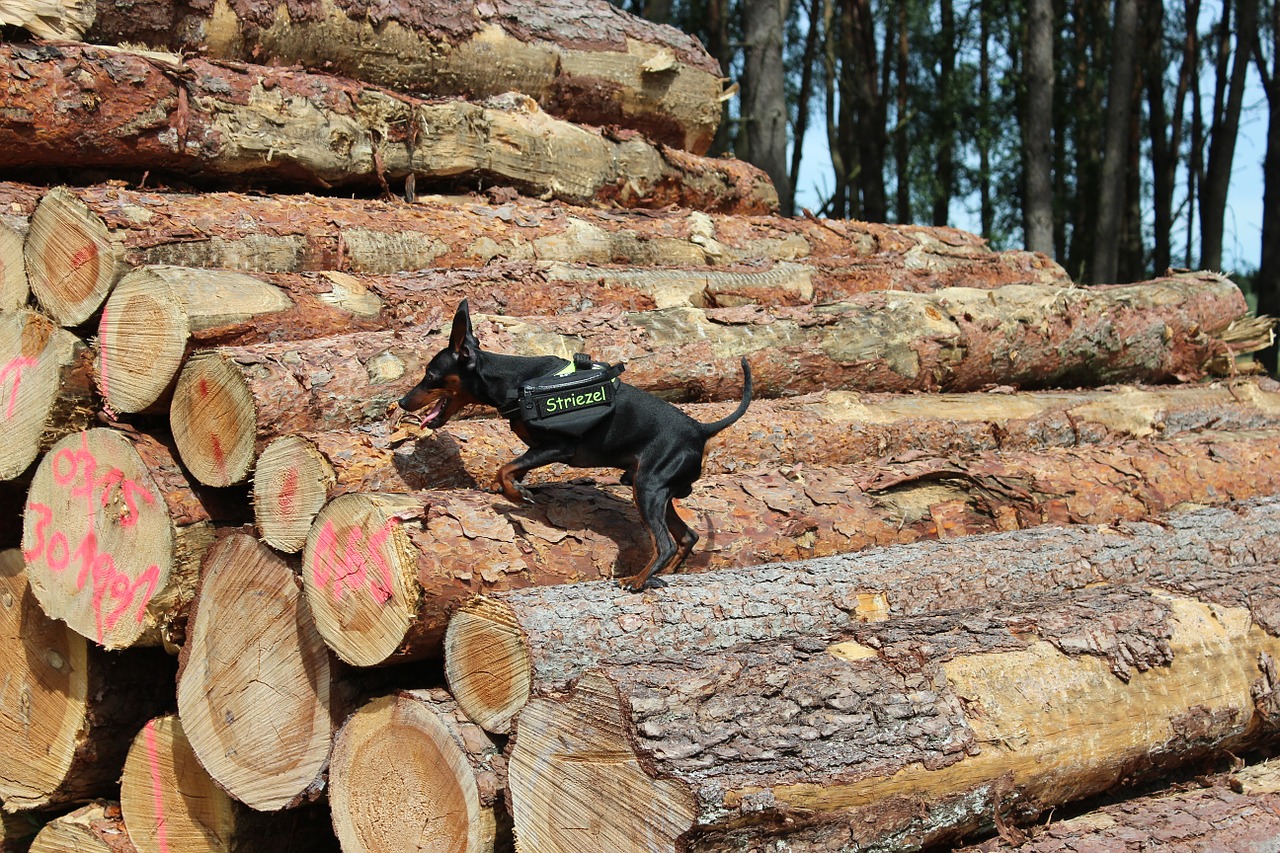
[382, 572]
[260, 704]
[589, 62]
[449, 778]
[46, 387]
[94, 828]
[541, 640]
[67, 708]
[170, 803]
[86, 107]
[894, 735]
[1238, 811]
[113, 535]
[293, 233]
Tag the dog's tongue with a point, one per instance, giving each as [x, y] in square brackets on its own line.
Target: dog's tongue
[436, 410]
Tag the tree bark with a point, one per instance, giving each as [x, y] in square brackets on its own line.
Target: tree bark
[87, 107]
[292, 233]
[170, 803]
[906, 733]
[263, 731]
[450, 779]
[113, 535]
[380, 571]
[296, 475]
[764, 103]
[1037, 128]
[586, 62]
[46, 387]
[1106, 245]
[1231, 811]
[68, 706]
[94, 828]
[507, 646]
[1267, 282]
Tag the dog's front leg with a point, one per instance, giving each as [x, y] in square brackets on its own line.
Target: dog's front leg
[507, 480]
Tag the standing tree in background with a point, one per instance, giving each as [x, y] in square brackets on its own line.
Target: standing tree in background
[1037, 128]
[1267, 282]
[763, 122]
[1111, 195]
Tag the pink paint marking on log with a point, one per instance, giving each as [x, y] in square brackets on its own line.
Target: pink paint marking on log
[14, 369]
[84, 255]
[157, 790]
[288, 492]
[102, 354]
[219, 455]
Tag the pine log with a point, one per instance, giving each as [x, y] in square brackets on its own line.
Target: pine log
[258, 692]
[410, 772]
[67, 708]
[96, 107]
[97, 827]
[49, 19]
[14, 290]
[113, 535]
[297, 233]
[296, 475]
[899, 735]
[381, 571]
[504, 647]
[73, 259]
[170, 804]
[586, 61]
[46, 387]
[1236, 811]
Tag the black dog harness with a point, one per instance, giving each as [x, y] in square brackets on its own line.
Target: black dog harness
[570, 401]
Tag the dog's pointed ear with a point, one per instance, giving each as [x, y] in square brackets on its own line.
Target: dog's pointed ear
[462, 334]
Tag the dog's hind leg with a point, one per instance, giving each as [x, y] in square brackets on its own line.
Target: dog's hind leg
[685, 536]
[655, 508]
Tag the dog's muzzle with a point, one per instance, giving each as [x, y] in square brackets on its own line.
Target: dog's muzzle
[434, 406]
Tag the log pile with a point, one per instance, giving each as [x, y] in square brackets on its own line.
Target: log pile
[986, 544]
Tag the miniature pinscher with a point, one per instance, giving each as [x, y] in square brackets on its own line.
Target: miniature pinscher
[658, 447]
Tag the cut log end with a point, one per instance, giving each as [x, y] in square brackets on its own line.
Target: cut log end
[214, 420]
[99, 540]
[400, 779]
[487, 663]
[14, 289]
[94, 828]
[72, 258]
[37, 360]
[256, 702]
[142, 338]
[44, 663]
[291, 483]
[358, 568]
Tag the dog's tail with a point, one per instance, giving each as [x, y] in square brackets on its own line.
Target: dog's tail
[716, 426]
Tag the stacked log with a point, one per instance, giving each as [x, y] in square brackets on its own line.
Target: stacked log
[985, 544]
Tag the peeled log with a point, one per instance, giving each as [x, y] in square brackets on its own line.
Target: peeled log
[507, 646]
[296, 233]
[46, 387]
[96, 107]
[170, 804]
[905, 733]
[258, 691]
[588, 61]
[73, 259]
[113, 536]
[296, 475]
[94, 828]
[410, 772]
[1235, 811]
[65, 702]
[381, 571]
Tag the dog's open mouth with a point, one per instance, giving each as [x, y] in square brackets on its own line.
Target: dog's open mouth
[436, 412]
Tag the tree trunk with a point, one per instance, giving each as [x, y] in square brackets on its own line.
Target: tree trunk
[14, 290]
[113, 535]
[285, 233]
[170, 803]
[296, 475]
[450, 778]
[46, 387]
[252, 124]
[1106, 243]
[507, 646]
[68, 707]
[73, 259]
[380, 571]
[263, 732]
[764, 103]
[946, 118]
[1037, 128]
[1231, 811]
[586, 62]
[905, 733]
[1267, 282]
[94, 828]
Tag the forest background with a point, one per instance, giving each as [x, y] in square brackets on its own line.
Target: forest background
[1121, 137]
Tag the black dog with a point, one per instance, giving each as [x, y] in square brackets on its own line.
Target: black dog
[658, 447]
